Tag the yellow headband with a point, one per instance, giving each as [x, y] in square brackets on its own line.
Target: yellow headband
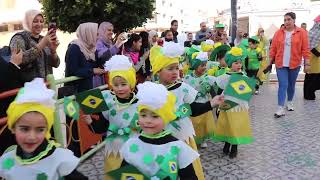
[166, 112]
[162, 62]
[129, 75]
[15, 111]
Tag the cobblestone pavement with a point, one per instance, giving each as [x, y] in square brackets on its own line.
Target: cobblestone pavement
[285, 148]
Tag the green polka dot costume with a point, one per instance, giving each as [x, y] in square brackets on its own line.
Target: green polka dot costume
[202, 84]
[59, 164]
[158, 160]
[122, 118]
[185, 95]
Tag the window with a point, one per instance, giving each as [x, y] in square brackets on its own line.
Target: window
[17, 27]
[4, 28]
[181, 11]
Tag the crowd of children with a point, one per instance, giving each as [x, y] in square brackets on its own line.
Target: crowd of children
[154, 127]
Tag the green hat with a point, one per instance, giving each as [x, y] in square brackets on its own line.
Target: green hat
[254, 38]
[218, 49]
[197, 61]
[234, 55]
[191, 50]
[219, 26]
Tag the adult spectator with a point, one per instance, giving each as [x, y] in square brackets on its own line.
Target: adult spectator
[238, 39]
[288, 47]
[189, 41]
[105, 48]
[174, 30]
[10, 78]
[80, 57]
[312, 78]
[304, 26]
[153, 38]
[204, 33]
[39, 52]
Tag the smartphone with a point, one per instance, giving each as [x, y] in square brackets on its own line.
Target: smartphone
[52, 25]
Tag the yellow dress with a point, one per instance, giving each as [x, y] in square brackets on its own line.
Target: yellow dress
[233, 125]
[204, 124]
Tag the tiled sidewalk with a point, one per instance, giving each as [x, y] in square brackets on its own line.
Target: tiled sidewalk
[285, 148]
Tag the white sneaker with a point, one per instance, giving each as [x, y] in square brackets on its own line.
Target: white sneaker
[290, 106]
[256, 92]
[279, 112]
[204, 145]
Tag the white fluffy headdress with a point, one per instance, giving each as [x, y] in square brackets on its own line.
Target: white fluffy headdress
[202, 56]
[36, 91]
[172, 50]
[118, 63]
[152, 94]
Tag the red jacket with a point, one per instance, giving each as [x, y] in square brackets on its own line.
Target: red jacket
[299, 47]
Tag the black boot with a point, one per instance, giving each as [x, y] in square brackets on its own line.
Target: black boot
[226, 148]
[233, 152]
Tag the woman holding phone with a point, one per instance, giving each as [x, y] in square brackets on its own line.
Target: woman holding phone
[39, 52]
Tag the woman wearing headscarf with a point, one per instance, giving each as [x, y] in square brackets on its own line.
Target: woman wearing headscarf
[289, 45]
[312, 78]
[39, 52]
[105, 48]
[80, 57]
[153, 38]
[81, 61]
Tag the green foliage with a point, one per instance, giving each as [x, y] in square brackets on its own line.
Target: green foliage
[123, 14]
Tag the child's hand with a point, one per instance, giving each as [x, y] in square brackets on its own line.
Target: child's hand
[86, 118]
[16, 57]
[217, 100]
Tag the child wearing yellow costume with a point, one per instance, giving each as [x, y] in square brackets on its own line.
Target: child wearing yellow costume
[165, 65]
[233, 125]
[30, 118]
[204, 124]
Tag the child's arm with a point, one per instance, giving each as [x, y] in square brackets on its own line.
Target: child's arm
[187, 173]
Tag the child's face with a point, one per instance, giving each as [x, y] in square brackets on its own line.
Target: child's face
[150, 122]
[169, 74]
[252, 45]
[236, 66]
[201, 69]
[121, 87]
[30, 131]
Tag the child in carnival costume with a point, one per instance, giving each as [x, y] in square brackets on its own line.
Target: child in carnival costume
[218, 55]
[253, 60]
[233, 125]
[165, 65]
[121, 114]
[156, 152]
[203, 124]
[30, 118]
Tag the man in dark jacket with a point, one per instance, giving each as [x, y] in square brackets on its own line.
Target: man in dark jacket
[9, 79]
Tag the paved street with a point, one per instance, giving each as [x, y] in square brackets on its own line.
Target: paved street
[285, 148]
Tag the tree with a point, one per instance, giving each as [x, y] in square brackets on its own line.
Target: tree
[123, 14]
[234, 21]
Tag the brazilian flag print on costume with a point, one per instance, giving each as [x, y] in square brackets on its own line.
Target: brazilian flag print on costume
[239, 87]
